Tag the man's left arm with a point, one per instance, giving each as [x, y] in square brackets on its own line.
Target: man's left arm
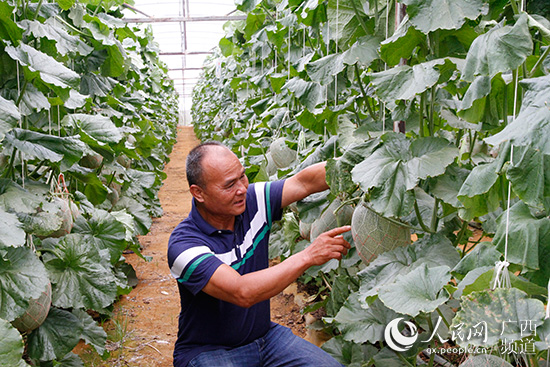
[306, 182]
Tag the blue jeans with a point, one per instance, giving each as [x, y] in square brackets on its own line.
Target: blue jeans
[279, 347]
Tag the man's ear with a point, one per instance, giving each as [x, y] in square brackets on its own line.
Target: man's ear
[197, 193]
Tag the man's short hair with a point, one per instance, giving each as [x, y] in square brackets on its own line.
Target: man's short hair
[193, 163]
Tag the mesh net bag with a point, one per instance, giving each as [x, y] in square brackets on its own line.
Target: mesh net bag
[485, 360]
[36, 313]
[328, 220]
[374, 234]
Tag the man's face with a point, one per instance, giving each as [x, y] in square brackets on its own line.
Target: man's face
[225, 182]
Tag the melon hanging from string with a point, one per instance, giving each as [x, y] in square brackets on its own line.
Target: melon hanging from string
[373, 234]
[330, 220]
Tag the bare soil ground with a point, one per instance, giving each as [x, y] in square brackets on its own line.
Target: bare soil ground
[144, 326]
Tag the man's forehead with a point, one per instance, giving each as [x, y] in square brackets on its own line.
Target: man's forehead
[220, 160]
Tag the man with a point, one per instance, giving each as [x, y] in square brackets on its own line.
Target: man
[219, 256]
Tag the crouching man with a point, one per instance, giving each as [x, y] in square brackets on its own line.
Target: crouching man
[219, 256]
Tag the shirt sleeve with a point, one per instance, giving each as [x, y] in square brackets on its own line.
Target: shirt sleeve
[192, 264]
[274, 192]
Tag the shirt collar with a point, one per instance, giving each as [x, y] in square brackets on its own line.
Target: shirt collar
[206, 227]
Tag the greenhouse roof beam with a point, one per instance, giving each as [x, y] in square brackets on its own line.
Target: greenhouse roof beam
[185, 19]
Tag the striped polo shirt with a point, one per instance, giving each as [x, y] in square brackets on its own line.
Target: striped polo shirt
[196, 249]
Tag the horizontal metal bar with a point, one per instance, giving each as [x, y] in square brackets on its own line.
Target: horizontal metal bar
[180, 69]
[182, 53]
[185, 19]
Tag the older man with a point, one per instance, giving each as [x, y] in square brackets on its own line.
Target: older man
[219, 256]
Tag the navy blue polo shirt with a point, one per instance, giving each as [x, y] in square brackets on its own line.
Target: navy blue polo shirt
[196, 249]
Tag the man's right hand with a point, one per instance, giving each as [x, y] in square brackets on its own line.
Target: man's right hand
[327, 246]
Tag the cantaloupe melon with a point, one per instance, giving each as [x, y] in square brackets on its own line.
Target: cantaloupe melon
[36, 313]
[373, 234]
[305, 229]
[92, 161]
[485, 360]
[282, 155]
[328, 220]
[270, 167]
[61, 206]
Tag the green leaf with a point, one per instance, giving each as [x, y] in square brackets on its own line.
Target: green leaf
[11, 346]
[531, 124]
[503, 313]
[92, 333]
[480, 88]
[12, 234]
[323, 70]
[115, 63]
[246, 5]
[55, 31]
[309, 93]
[364, 51]
[9, 30]
[96, 127]
[351, 354]
[22, 278]
[16, 199]
[447, 186]
[525, 234]
[401, 44]
[344, 22]
[96, 85]
[57, 336]
[104, 231]
[530, 176]
[434, 251]
[484, 254]
[67, 150]
[430, 15]
[33, 101]
[412, 80]
[502, 49]
[142, 219]
[65, 4]
[79, 278]
[40, 65]
[9, 116]
[362, 325]
[398, 165]
[421, 290]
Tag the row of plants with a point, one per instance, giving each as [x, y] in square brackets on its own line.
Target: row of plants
[87, 120]
[434, 116]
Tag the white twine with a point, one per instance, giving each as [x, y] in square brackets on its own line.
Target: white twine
[548, 308]
[337, 37]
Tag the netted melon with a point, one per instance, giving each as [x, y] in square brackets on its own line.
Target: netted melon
[36, 313]
[61, 207]
[270, 167]
[124, 161]
[92, 161]
[305, 229]
[282, 155]
[485, 360]
[328, 220]
[373, 234]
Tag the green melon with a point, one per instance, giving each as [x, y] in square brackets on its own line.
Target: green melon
[305, 230]
[270, 167]
[36, 313]
[282, 155]
[328, 220]
[92, 161]
[485, 360]
[373, 234]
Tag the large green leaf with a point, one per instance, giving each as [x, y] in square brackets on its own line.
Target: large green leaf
[79, 278]
[92, 333]
[40, 65]
[502, 314]
[401, 44]
[309, 93]
[9, 30]
[53, 30]
[142, 219]
[33, 101]
[364, 51]
[324, 69]
[104, 231]
[344, 22]
[12, 234]
[532, 124]
[57, 336]
[14, 198]
[67, 150]
[526, 234]
[430, 15]
[11, 346]
[398, 165]
[22, 278]
[421, 290]
[362, 325]
[97, 85]
[405, 82]
[447, 186]
[530, 175]
[484, 254]
[501, 49]
[96, 127]
[9, 116]
[349, 353]
[434, 251]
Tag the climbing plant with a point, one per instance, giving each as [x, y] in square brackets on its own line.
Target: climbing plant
[438, 114]
[87, 120]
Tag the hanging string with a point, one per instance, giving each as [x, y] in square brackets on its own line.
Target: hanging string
[304, 42]
[336, 46]
[386, 65]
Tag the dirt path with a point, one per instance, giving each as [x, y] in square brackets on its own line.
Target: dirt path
[146, 319]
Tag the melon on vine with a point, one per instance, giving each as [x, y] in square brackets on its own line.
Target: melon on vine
[36, 313]
[329, 220]
[374, 234]
[270, 167]
[92, 161]
[61, 207]
[305, 229]
[282, 155]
